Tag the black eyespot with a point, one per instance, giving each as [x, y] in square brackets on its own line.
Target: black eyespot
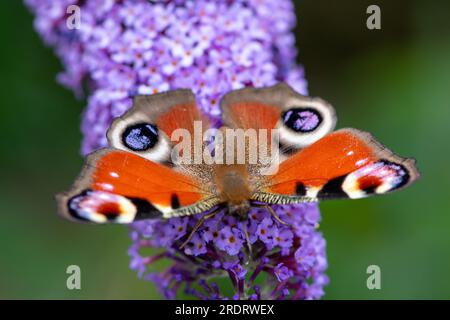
[302, 120]
[140, 137]
[73, 205]
[400, 173]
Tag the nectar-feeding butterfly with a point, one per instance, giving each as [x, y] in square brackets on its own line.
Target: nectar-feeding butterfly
[138, 178]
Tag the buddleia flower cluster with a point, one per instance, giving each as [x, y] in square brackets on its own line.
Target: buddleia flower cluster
[124, 48]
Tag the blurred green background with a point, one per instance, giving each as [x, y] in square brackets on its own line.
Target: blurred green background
[393, 82]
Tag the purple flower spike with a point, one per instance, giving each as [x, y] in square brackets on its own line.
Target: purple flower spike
[129, 47]
[293, 266]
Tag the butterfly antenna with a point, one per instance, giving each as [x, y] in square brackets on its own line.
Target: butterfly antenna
[199, 224]
[275, 216]
[247, 238]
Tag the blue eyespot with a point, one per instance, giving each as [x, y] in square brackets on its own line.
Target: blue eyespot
[302, 120]
[140, 137]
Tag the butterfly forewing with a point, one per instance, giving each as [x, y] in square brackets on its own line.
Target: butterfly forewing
[118, 186]
[345, 164]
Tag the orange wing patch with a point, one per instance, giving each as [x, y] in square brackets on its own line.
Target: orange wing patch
[121, 187]
[130, 175]
[346, 163]
[254, 115]
[180, 116]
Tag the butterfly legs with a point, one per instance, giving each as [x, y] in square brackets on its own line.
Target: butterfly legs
[202, 220]
[200, 223]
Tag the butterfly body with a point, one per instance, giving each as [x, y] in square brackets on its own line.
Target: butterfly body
[141, 177]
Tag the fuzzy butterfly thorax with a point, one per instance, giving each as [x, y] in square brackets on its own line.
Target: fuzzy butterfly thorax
[162, 164]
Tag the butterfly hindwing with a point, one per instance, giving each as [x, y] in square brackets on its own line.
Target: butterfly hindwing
[347, 163]
[300, 120]
[146, 129]
[121, 187]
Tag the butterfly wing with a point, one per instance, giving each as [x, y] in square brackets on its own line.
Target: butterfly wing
[121, 187]
[147, 128]
[300, 120]
[344, 164]
[132, 180]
